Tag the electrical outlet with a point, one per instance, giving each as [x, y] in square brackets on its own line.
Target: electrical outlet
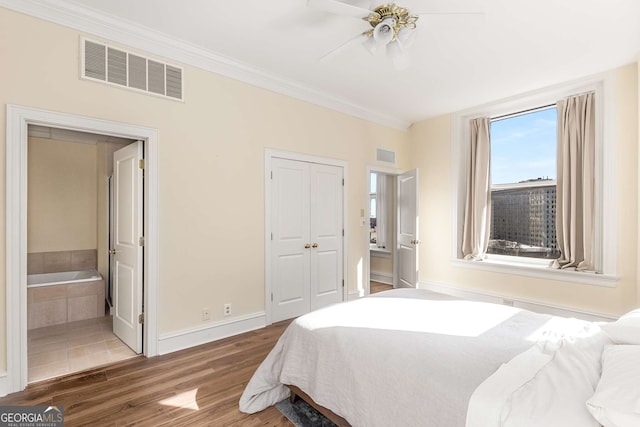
[206, 314]
[227, 309]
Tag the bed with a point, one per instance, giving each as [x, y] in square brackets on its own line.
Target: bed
[410, 357]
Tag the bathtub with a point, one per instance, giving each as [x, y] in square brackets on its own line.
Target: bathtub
[62, 278]
[69, 296]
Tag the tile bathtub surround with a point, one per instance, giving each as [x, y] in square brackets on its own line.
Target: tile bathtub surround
[71, 347]
[55, 262]
[59, 304]
[35, 263]
[84, 259]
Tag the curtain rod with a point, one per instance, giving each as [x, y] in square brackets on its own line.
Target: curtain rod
[521, 113]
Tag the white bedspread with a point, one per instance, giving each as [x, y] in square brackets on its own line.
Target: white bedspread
[548, 385]
[405, 357]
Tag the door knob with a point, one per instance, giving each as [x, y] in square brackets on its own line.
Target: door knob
[315, 245]
[307, 246]
[112, 251]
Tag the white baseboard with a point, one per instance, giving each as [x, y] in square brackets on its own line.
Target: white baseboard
[385, 278]
[168, 343]
[538, 307]
[354, 295]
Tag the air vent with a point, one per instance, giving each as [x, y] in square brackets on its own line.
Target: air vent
[118, 67]
[386, 156]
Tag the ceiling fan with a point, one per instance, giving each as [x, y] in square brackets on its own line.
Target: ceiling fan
[393, 27]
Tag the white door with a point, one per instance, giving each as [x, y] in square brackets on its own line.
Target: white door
[306, 245]
[290, 247]
[326, 235]
[407, 229]
[127, 245]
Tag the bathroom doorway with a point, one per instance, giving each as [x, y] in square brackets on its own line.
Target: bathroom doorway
[381, 221]
[69, 271]
[19, 119]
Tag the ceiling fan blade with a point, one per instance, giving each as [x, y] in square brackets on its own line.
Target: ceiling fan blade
[339, 8]
[449, 13]
[357, 39]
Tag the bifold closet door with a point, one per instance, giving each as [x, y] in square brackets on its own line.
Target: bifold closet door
[306, 245]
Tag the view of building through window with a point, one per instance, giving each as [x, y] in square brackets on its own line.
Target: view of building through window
[523, 187]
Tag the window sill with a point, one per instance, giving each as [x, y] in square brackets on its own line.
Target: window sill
[538, 270]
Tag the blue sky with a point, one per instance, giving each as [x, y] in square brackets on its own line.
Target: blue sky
[524, 147]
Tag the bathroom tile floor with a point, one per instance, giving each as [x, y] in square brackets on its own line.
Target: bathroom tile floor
[71, 347]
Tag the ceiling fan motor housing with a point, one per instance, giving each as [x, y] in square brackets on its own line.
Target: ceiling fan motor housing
[392, 10]
[401, 16]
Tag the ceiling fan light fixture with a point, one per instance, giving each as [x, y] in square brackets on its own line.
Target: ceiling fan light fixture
[385, 31]
[370, 43]
[406, 37]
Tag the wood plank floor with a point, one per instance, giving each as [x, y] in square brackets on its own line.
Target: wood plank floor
[200, 386]
[378, 287]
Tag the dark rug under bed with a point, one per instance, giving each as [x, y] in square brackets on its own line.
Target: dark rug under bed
[302, 414]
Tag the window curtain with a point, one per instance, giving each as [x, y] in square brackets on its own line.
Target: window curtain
[575, 207]
[477, 211]
[381, 211]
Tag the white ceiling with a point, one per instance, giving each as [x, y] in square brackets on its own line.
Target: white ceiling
[458, 62]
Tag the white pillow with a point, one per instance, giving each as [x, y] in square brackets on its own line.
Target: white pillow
[616, 402]
[625, 330]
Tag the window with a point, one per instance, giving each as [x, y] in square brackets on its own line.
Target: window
[541, 204]
[523, 184]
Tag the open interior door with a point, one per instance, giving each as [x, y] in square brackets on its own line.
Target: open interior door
[407, 229]
[127, 245]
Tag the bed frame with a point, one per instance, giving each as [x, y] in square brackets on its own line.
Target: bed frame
[336, 419]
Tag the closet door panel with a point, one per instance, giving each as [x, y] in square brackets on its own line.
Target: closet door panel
[290, 224]
[326, 235]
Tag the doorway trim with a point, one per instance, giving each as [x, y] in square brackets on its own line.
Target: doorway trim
[18, 119]
[270, 154]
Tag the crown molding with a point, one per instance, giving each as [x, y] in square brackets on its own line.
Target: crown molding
[91, 22]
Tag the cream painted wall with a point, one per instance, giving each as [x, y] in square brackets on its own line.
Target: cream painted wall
[211, 154]
[381, 265]
[62, 196]
[430, 150]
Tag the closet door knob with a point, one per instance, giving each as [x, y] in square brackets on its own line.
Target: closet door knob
[315, 245]
[307, 246]
[112, 251]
